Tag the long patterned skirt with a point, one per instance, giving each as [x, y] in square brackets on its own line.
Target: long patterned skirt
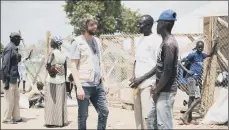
[56, 105]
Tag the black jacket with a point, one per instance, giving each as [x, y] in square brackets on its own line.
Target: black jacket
[10, 64]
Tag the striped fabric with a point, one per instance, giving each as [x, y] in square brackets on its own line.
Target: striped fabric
[56, 105]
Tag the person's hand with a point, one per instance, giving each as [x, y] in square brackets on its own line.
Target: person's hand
[70, 78]
[6, 83]
[216, 40]
[191, 73]
[7, 86]
[132, 79]
[80, 93]
[153, 94]
[52, 74]
[152, 89]
[135, 83]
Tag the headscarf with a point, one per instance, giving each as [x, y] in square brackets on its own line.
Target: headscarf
[57, 40]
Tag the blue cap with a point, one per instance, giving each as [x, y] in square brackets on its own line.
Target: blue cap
[168, 15]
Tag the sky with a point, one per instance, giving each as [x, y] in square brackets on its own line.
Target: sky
[34, 18]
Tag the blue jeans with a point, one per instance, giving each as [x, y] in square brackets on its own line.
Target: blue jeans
[161, 113]
[97, 96]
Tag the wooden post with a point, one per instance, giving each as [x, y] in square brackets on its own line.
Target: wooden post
[212, 73]
[210, 70]
[47, 51]
[207, 29]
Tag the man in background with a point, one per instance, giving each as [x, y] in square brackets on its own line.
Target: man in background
[10, 77]
[36, 95]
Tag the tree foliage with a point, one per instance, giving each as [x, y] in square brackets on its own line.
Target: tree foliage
[1, 48]
[111, 15]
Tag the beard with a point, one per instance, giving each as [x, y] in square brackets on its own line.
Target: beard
[91, 32]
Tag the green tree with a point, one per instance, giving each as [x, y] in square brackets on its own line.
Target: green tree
[1, 48]
[111, 15]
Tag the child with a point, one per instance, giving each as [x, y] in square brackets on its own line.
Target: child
[22, 69]
[194, 74]
[36, 96]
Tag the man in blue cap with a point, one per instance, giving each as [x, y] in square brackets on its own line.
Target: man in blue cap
[163, 93]
[10, 76]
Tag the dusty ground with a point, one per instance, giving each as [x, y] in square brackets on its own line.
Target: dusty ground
[118, 118]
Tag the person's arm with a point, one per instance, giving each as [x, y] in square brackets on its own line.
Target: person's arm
[75, 72]
[183, 68]
[169, 56]
[139, 80]
[213, 50]
[6, 62]
[189, 58]
[133, 74]
[151, 73]
[75, 59]
[153, 55]
[30, 53]
[147, 75]
[50, 59]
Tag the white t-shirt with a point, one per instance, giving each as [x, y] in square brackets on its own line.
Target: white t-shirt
[22, 70]
[146, 57]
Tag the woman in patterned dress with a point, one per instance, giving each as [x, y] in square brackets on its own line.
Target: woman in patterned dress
[55, 94]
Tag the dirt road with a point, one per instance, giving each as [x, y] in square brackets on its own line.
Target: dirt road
[118, 118]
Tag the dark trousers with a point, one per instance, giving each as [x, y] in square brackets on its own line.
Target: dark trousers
[97, 96]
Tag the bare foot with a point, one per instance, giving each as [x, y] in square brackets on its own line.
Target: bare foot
[185, 122]
[194, 122]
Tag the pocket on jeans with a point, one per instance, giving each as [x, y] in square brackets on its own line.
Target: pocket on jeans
[86, 92]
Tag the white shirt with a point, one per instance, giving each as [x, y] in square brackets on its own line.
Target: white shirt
[146, 58]
[59, 58]
[22, 70]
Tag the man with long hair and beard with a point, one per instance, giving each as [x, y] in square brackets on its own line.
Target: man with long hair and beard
[85, 55]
